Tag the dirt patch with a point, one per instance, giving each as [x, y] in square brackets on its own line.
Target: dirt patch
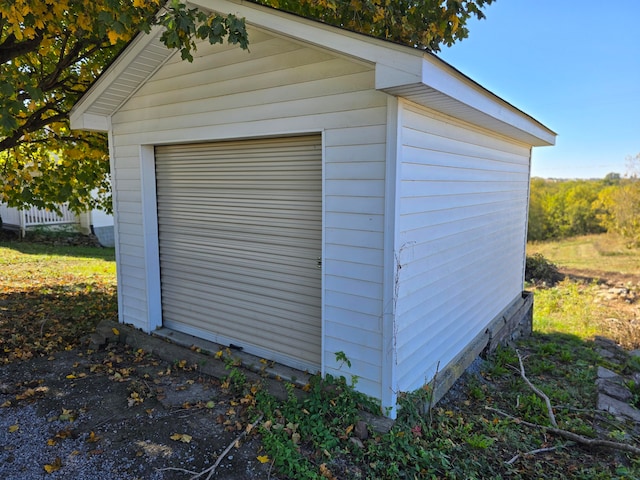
[118, 414]
[610, 278]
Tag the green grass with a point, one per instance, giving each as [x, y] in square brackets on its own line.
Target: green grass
[568, 308]
[50, 297]
[50, 264]
[574, 307]
[605, 252]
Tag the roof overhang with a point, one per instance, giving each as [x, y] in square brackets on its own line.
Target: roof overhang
[418, 76]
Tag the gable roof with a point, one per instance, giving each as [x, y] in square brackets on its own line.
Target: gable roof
[400, 70]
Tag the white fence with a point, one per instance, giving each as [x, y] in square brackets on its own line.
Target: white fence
[23, 219]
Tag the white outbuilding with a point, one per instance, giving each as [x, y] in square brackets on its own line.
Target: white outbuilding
[322, 192]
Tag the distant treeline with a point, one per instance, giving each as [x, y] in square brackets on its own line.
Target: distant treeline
[565, 208]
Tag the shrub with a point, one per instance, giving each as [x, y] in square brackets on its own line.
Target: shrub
[540, 270]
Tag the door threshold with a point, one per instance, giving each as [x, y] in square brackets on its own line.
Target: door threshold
[251, 362]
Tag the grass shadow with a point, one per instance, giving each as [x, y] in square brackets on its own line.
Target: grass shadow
[29, 248]
[49, 318]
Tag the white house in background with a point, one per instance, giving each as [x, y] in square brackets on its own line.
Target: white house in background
[323, 192]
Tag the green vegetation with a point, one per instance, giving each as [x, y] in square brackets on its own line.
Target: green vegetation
[562, 209]
[50, 297]
[580, 305]
[603, 253]
[569, 308]
[540, 270]
[316, 435]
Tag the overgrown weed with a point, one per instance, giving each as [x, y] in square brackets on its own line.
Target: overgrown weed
[569, 307]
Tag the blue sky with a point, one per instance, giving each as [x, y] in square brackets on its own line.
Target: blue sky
[572, 65]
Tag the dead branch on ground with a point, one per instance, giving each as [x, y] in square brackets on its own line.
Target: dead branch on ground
[589, 442]
[534, 452]
[574, 437]
[537, 391]
[212, 469]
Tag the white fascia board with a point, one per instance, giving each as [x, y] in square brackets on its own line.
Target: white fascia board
[441, 77]
[388, 77]
[89, 122]
[341, 41]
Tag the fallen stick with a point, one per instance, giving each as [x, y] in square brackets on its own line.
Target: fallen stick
[589, 442]
[211, 470]
[537, 391]
[533, 452]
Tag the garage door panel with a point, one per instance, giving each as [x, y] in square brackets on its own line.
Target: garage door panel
[246, 304]
[245, 279]
[261, 230]
[240, 228]
[293, 263]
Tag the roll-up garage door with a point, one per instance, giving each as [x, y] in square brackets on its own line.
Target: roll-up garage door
[240, 228]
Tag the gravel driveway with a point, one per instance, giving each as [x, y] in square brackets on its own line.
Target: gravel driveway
[118, 413]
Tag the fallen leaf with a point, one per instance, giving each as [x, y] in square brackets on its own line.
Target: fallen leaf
[181, 437]
[263, 458]
[115, 331]
[66, 433]
[51, 442]
[53, 467]
[14, 428]
[93, 438]
[67, 415]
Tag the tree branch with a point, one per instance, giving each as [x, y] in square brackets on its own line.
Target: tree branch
[33, 123]
[589, 442]
[534, 452]
[211, 470]
[11, 48]
[540, 393]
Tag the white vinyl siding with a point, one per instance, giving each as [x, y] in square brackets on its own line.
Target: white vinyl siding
[280, 87]
[462, 215]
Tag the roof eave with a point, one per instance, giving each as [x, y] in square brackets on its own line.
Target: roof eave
[400, 70]
[144, 55]
[437, 85]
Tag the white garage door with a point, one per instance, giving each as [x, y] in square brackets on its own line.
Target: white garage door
[240, 229]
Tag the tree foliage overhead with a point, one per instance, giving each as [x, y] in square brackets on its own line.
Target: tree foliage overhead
[424, 24]
[51, 51]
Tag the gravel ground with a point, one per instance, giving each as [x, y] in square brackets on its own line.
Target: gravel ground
[50, 407]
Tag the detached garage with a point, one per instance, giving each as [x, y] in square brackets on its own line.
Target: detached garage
[324, 192]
